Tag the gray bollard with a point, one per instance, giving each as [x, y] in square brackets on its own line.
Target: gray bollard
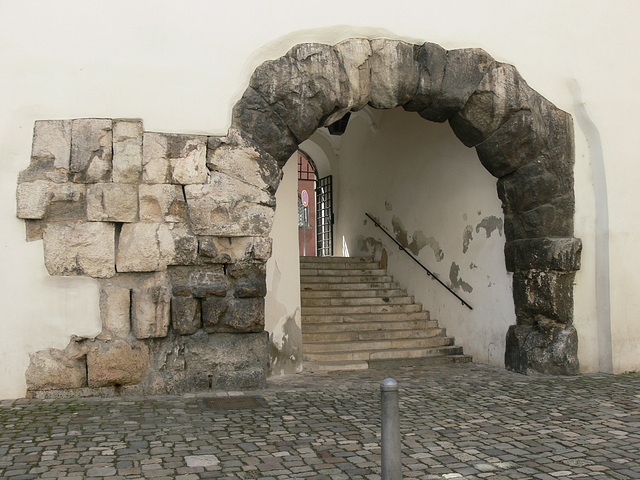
[391, 461]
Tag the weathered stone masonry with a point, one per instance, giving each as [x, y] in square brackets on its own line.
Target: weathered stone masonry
[175, 227]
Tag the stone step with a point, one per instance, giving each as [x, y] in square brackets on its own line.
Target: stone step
[315, 286]
[371, 346]
[335, 260]
[316, 302]
[307, 279]
[332, 366]
[342, 266]
[351, 309]
[364, 326]
[394, 353]
[351, 272]
[365, 335]
[359, 317]
[365, 293]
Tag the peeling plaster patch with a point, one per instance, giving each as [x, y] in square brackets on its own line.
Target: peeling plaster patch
[369, 245]
[472, 266]
[399, 231]
[420, 240]
[467, 236]
[465, 217]
[490, 224]
[388, 206]
[456, 281]
[285, 344]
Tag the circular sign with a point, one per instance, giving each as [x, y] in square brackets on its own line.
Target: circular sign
[305, 198]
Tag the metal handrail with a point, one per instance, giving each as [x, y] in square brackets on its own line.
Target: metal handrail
[431, 274]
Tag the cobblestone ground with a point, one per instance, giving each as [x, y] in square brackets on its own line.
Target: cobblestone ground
[465, 421]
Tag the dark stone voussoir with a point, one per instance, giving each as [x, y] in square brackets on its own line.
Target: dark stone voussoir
[543, 292]
[253, 116]
[528, 187]
[554, 219]
[558, 254]
[501, 93]
[551, 352]
[463, 71]
[395, 73]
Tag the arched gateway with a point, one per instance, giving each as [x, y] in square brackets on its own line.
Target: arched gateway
[176, 227]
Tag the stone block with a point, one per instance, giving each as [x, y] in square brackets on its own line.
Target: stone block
[234, 249]
[554, 219]
[254, 117]
[33, 199]
[127, 151]
[501, 93]
[560, 254]
[221, 361]
[91, 150]
[395, 73]
[185, 315]
[151, 308]
[112, 202]
[200, 282]
[250, 280]
[149, 247]
[213, 310]
[528, 187]
[245, 164]
[162, 203]
[53, 369]
[354, 55]
[551, 352]
[229, 207]
[546, 293]
[115, 308]
[52, 143]
[116, 363]
[171, 158]
[80, 249]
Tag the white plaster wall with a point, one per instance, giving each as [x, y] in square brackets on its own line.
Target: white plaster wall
[418, 175]
[282, 301]
[181, 68]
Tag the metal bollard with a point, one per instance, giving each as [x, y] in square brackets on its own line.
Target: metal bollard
[391, 461]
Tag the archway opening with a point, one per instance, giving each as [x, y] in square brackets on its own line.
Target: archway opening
[520, 137]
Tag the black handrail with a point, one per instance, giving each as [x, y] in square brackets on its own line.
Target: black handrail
[431, 274]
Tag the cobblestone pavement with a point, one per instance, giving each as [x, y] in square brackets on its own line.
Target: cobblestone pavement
[463, 421]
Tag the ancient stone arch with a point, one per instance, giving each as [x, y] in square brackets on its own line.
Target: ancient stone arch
[176, 227]
[520, 137]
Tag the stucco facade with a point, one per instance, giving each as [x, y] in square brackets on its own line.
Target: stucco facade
[182, 72]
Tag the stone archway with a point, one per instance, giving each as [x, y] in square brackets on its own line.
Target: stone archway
[175, 228]
[520, 137]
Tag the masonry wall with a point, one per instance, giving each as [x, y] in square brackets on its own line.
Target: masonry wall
[182, 70]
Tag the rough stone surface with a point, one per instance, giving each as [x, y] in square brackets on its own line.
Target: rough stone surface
[162, 203]
[250, 279]
[553, 352]
[52, 143]
[243, 315]
[530, 186]
[202, 362]
[116, 363]
[230, 208]
[354, 55]
[80, 249]
[150, 247]
[545, 293]
[213, 309]
[33, 199]
[151, 309]
[246, 165]
[112, 202]
[127, 151]
[185, 315]
[395, 73]
[201, 281]
[115, 307]
[91, 150]
[554, 219]
[53, 369]
[169, 158]
[501, 93]
[56, 201]
[561, 254]
[234, 249]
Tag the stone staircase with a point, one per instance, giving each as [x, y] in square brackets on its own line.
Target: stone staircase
[354, 316]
